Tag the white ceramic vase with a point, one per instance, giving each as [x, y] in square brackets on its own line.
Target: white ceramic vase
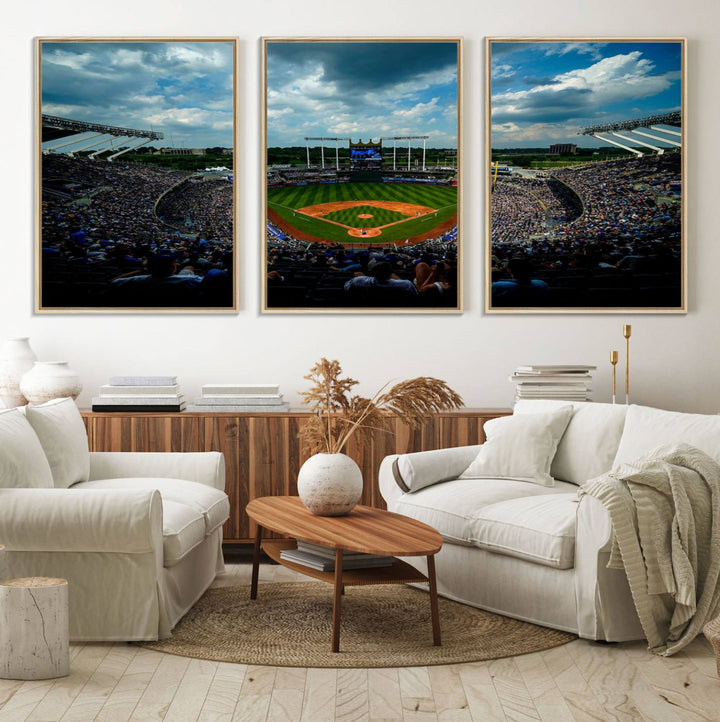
[16, 358]
[49, 380]
[330, 484]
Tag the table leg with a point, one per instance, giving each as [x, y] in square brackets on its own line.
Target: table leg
[338, 589]
[256, 563]
[434, 611]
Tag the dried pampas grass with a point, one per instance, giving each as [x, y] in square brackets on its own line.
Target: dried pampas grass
[339, 415]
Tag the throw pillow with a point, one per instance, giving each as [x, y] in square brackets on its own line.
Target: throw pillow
[520, 447]
[22, 460]
[61, 431]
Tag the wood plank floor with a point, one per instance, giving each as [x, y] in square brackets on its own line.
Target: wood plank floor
[580, 681]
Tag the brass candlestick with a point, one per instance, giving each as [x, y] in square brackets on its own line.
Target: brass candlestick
[627, 331]
[613, 361]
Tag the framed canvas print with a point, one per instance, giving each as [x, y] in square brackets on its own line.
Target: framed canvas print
[585, 201]
[362, 177]
[136, 175]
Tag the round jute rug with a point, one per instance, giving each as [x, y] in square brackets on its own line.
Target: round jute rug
[289, 625]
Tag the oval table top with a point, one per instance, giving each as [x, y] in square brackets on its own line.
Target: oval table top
[364, 529]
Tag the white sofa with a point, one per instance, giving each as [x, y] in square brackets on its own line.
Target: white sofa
[533, 552]
[138, 536]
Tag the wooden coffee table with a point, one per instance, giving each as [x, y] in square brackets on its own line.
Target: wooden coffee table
[364, 529]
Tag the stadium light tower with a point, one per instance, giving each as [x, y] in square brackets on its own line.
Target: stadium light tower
[322, 149]
[408, 138]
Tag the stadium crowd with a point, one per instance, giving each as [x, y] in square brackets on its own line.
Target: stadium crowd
[304, 274]
[100, 229]
[625, 244]
[201, 206]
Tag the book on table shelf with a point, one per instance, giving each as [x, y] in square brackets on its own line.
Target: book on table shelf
[240, 400]
[240, 390]
[238, 409]
[143, 380]
[140, 393]
[322, 562]
[168, 408]
[108, 390]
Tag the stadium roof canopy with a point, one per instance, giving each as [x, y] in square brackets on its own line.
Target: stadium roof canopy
[666, 133]
[72, 136]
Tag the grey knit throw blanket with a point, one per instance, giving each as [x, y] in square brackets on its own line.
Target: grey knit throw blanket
[665, 512]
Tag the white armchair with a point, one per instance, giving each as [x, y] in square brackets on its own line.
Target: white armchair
[138, 536]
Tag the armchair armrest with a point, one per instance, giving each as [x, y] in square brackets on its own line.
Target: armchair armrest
[205, 467]
[81, 520]
[410, 472]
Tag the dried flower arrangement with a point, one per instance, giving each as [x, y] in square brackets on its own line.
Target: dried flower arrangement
[339, 415]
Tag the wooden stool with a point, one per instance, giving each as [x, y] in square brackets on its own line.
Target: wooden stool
[34, 628]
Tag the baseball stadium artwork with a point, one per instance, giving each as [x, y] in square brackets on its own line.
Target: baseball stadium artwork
[585, 189]
[136, 175]
[362, 176]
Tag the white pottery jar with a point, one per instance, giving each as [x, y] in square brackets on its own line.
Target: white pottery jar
[49, 380]
[330, 484]
[16, 358]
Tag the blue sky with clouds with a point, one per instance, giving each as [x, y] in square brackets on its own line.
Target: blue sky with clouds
[362, 90]
[545, 92]
[182, 89]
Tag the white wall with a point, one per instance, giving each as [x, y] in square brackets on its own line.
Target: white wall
[674, 358]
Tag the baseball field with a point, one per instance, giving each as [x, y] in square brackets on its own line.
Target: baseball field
[363, 213]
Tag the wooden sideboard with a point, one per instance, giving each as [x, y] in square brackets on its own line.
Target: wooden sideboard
[262, 452]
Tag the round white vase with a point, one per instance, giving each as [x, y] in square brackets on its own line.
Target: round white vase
[49, 380]
[330, 484]
[16, 359]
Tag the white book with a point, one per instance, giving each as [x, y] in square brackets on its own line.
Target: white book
[554, 368]
[138, 400]
[139, 390]
[243, 389]
[329, 552]
[230, 409]
[143, 380]
[577, 379]
[553, 389]
[315, 561]
[240, 399]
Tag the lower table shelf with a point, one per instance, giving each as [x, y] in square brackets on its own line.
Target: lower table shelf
[399, 573]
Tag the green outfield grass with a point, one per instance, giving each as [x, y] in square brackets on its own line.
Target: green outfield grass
[284, 201]
[350, 217]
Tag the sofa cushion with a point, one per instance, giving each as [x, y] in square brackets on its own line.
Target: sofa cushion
[183, 530]
[591, 439]
[520, 447]
[454, 508]
[419, 469]
[540, 529]
[23, 463]
[647, 428]
[61, 431]
[207, 501]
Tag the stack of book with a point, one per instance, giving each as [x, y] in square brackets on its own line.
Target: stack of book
[240, 398]
[322, 558]
[564, 382]
[140, 393]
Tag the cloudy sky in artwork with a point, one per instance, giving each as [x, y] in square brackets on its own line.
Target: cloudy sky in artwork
[545, 92]
[181, 89]
[362, 90]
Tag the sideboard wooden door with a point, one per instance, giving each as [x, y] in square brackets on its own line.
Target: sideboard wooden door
[262, 452]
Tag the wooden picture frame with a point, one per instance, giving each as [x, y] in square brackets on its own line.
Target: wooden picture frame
[585, 199]
[136, 175]
[362, 179]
